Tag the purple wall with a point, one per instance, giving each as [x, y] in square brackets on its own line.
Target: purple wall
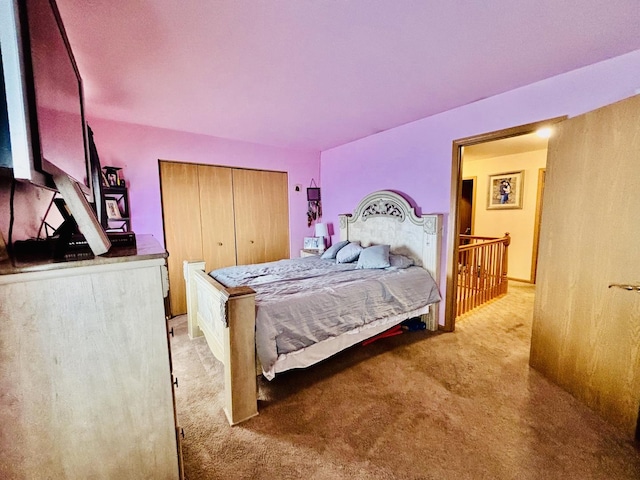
[137, 150]
[415, 159]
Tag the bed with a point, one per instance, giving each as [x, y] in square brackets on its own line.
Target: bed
[251, 315]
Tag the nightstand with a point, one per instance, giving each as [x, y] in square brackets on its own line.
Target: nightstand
[309, 253]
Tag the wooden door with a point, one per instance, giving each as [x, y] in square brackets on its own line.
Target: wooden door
[182, 227]
[262, 216]
[586, 334]
[216, 216]
[466, 207]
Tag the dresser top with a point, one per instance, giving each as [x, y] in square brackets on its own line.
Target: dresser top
[147, 248]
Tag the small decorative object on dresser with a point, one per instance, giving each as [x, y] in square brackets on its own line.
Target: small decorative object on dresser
[312, 243]
[113, 211]
[116, 201]
[112, 175]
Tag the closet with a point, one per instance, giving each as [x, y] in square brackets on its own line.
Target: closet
[222, 215]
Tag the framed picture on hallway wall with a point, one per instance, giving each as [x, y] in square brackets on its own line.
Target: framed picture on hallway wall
[505, 190]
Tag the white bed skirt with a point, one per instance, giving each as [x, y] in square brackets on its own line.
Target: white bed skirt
[317, 352]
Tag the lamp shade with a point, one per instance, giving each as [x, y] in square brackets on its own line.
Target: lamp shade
[321, 230]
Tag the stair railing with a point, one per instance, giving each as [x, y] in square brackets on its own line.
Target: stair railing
[482, 270]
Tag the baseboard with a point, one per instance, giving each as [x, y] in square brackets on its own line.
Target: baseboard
[520, 280]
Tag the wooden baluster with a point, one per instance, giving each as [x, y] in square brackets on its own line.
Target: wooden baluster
[505, 261]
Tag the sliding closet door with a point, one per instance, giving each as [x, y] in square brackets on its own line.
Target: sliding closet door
[216, 216]
[261, 207]
[224, 216]
[182, 229]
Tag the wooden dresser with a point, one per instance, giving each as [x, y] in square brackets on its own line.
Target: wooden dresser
[87, 388]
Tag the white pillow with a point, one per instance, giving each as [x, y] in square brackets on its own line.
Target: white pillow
[376, 256]
[349, 253]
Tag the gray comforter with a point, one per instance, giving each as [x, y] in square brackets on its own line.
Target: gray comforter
[303, 301]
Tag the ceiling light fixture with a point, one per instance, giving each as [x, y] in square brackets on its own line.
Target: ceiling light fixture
[544, 132]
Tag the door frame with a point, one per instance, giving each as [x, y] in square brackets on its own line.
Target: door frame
[456, 187]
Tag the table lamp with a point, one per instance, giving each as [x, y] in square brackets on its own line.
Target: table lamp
[321, 232]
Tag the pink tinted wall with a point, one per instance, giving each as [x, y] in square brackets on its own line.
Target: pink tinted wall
[137, 150]
[415, 159]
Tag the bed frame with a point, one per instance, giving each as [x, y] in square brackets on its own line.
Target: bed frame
[226, 316]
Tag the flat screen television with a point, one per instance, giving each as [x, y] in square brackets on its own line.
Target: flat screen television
[44, 93]
[48, 139]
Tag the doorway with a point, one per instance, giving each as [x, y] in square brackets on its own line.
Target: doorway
[458, 205]
[467, 205]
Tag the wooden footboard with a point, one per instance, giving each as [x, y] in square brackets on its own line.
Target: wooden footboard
[226, 317]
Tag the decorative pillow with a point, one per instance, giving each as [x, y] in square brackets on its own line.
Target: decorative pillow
[333, 250]
[376, 256]
[400, 261]
[349, 253]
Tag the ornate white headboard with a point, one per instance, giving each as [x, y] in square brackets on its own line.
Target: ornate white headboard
[386, 218]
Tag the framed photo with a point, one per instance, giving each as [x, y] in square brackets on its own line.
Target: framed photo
[313, 194]
[113, 211]
[112, 176]
[505, 190]
[312, 243]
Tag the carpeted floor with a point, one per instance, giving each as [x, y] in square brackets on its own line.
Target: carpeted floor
[462, 405]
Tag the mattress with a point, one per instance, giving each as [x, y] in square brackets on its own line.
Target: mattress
[307, 301]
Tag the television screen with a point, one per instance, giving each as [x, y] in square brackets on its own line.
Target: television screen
[44, 95]
[57, 92]
[45, 111]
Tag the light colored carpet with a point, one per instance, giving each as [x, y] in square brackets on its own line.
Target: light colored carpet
[462, 405]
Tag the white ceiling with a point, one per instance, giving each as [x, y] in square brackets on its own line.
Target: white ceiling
[314, 74]
[506, 146]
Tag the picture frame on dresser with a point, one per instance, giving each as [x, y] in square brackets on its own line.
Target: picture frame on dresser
[113, 210]
[312, 243]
